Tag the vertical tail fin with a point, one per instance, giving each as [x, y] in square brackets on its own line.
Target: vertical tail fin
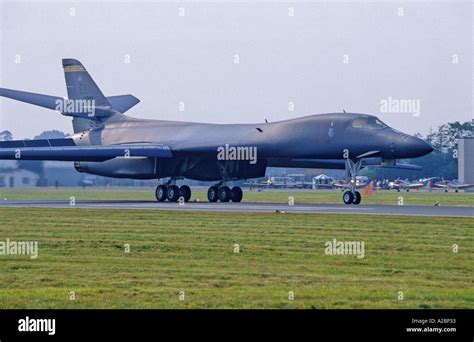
[94, 108]
[80, 85]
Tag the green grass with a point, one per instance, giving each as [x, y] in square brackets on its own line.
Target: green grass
[82, 250]
[274, 196]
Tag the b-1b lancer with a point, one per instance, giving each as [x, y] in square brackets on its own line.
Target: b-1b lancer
[108, 143]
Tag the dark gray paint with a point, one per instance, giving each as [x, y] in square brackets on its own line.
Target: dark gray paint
[192, 148]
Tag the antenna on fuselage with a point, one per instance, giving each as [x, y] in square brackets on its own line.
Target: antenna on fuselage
[343, 110]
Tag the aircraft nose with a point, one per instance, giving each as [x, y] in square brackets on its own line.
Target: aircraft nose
[407, 146]
[418, 147]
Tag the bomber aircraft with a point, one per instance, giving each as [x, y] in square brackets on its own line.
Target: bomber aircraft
[108, 143]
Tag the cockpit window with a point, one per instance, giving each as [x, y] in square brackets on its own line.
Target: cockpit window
[359, 123]
[368, 123]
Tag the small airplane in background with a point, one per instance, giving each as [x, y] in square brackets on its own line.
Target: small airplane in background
[454, 184]
[359, 182]
[405, 184]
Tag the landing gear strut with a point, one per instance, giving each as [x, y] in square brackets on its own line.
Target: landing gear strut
[172, 192]
[224, 194]
[352, 196]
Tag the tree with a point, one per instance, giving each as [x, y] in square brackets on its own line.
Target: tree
[6, 136]
[51, 135]
[36, 165]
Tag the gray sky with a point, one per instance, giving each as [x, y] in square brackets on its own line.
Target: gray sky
[326, 57]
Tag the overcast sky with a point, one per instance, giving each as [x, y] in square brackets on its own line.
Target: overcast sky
[243, 62]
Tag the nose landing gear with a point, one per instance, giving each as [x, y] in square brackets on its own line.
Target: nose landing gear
[348, 197]
[357, 197]
[352, 196]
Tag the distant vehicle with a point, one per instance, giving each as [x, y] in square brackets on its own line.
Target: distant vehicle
[323, 181]
[299, 181]
[257, 184]
[89, 181]
[454, 184]
[280, 182]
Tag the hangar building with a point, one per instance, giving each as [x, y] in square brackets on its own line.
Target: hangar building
[466, 160]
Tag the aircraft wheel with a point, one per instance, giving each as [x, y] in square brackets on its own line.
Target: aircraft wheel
[185, 192]
[236, 194]
[160, 193]
[408, 190]
[348, 197]
[173, 193]
[357, 198]
[224, 194]
[398, 190]
[446, 190]
[212, 194]
[456, 190]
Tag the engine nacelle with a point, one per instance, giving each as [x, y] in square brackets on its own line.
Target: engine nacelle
[133, 167]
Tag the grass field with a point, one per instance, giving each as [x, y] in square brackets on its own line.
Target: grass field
[82, 250]
[274, 196]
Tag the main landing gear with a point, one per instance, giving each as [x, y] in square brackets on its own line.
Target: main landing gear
[352, 196]
[172, 193]
[219, 192]
[224, 194]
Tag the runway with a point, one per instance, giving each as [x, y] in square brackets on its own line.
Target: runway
[250, 207]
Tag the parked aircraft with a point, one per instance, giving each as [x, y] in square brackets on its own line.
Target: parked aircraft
[454, 184]
[405, 184]
[400, 184]
[358, 183]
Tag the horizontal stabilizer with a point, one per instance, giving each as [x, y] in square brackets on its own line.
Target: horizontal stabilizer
[41, 100]
[122, 103]
[85, 153]
[76, 108]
